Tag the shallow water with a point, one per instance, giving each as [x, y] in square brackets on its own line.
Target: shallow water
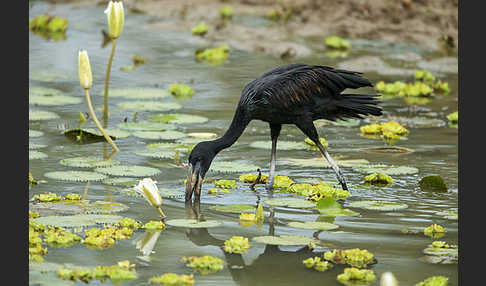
[217, 89]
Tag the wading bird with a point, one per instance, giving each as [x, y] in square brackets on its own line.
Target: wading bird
[290, 94]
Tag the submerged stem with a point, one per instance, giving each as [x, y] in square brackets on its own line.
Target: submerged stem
[108, 138]
[107, 79]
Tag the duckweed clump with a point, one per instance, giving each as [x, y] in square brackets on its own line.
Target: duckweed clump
[204, 264]
[130, 223]
[434, 281]
[335, 42]
[237, 244]
[434, 231]
[358, 276]
[316, 192]
[36, 251]
[317, 264]
[215, 191]
[172, 279]
[213, 55]
[105, 238]
[47, 197]
[60, 237]
[49, 27]
[154, 225]
[379, 179]
[313, 145]
[225, 184]
[180, 90]
[200, 30]
[354, 257]
[122, 271]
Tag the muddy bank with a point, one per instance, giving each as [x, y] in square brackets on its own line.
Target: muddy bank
[431, 25]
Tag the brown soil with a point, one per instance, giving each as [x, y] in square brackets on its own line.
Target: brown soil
[430, 24]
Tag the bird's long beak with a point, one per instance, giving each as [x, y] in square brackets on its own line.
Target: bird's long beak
[194, 181]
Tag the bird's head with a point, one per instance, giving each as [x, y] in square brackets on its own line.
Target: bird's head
[198, 164]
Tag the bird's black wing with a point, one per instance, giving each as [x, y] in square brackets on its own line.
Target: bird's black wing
[293, 85]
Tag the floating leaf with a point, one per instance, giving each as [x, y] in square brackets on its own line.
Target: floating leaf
[129, 171]
[232, 167]
[88, 162]
[34, 155]
[53, 100]
[43, 91]
[200, 29]
[235, 208]
[37, 115]
[145, 126]
[104, 207]
[329, 207]
[281, 145]
[117, 133]
[378, 205]
[202, 135]
[354, 276]
[386, 169]
[166, 193]
[78, 220]
[159, 135]
[192, 223]
[378, 178]
[225, 184]
[416, 121]
[335, 42]
[320, 162]
[318, 225]
[236, 244]
[59, 207]
[168, 146]
[156, 153]
[35, 133]
[180, 91]
[448, 214]
[77, 176]
[290, 202]
[170, 279]
[149, 105]
[434, 231]
[204, 264]
[177, 118]
[433, 184]
[214, 56]
[285, 240]
[85, 136]
[34, 146]
[439, 252]
[434, 281]
[138, 93]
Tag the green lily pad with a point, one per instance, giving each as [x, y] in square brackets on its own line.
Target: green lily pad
[88, 162]
[339, 122]
[129, 171]
[168, 146]
[328, 207]
[318, 225]
[37, 115]
[448, 214]
[122, 181]
[149, 105]
[320, 162]
[177, 118]
[159, 135]
[145, 126]
[48, 75]
[415, 122]
[34, 155]
[166, 193]
[232, 167]
[235, 208]
[35, 146]
[290, 202]
[378, 205]
[192, 223]
[433, 184]
[35, 133]
[386, 169]
[78, 220]
[203, 135]
[117, 133]
[76, 176]
[138, 93]
[43, 91]
[156, 153]
[53, 100]
[59, 207]
[281, 145]
[285, 240]
[440, 252]
[104, 207]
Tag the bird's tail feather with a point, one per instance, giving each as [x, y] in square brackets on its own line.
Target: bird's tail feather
[356, 105]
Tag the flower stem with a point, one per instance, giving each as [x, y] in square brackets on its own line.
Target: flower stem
[108, 138]
[161, 212]
[107, 79]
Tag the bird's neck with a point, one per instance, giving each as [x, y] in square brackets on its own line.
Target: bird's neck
[238, 125]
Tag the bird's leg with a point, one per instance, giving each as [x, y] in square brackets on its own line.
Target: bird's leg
[336, 169]
[274, 132]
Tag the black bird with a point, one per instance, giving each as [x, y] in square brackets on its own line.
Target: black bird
[290, 94]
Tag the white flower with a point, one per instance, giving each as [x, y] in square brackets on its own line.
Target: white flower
[116, 17]
[84, 70]
[148, 189]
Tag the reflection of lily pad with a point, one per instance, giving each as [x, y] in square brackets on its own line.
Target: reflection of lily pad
[192, 223]
[290, 202]
[122, 181]
[378, 205]
[88, 162]
[77, 176]
[320, 162]
[138, 93]
[145, 126]
[149, 105]
[35, 133]
[285, 240]
[156, 153]
[236, 208]
[34, 155]
[386, 169]
[281, 145]
[78, 220]
[129, 171]
[232, 167]
[177, 118]
[36, 115]
[159, 135]
[313, 225]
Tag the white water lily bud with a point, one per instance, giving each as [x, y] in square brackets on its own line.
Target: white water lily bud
[388, 279]
[84, 69]
[116, 17]
[150, 192]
